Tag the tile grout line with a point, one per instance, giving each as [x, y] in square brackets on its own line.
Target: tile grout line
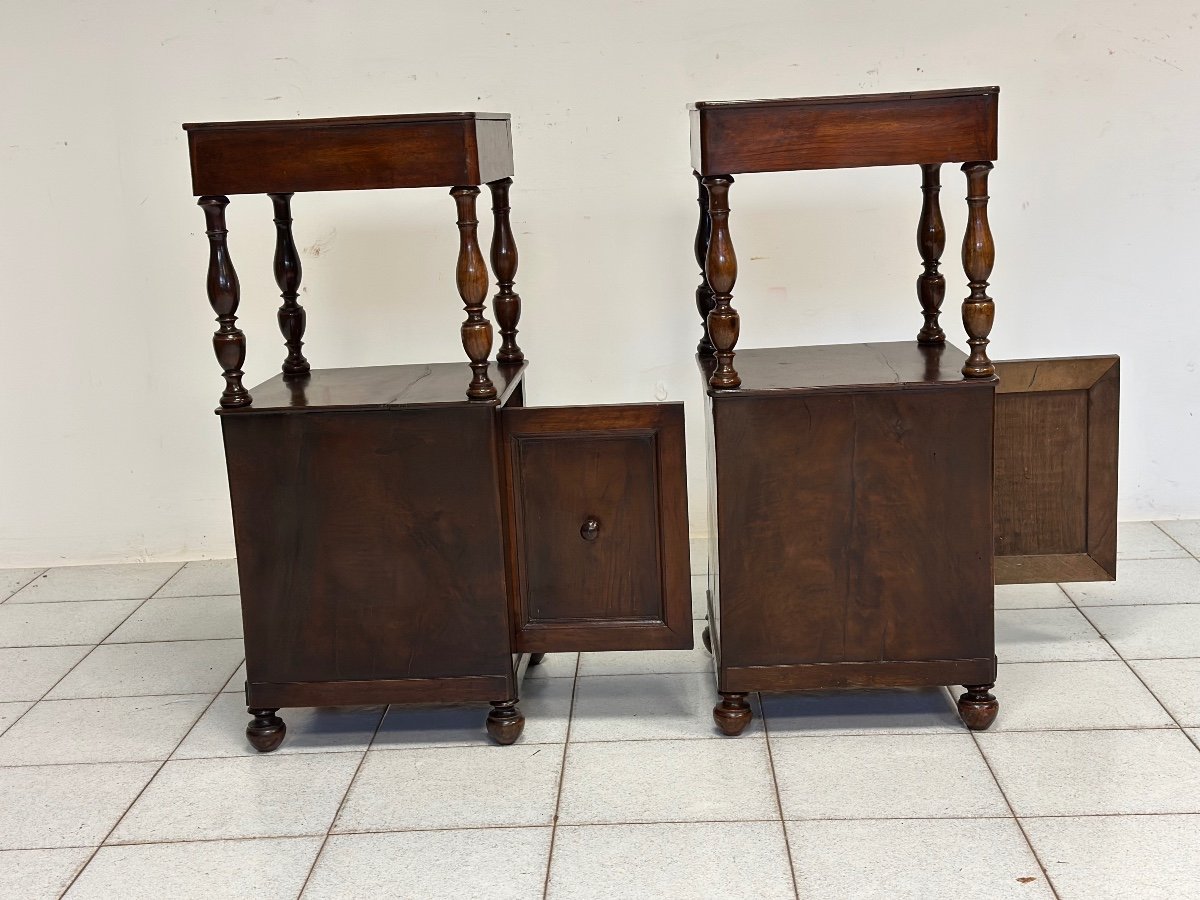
[1013, 814]
[40, 573]
[337, 812]
[562, 777]
[787, 843]
[138, 796]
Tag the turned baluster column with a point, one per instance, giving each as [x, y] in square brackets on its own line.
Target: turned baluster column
[978, 255]
[720, 271]
[229, 343]
[931, 241]
[287, 275]
[704, 296]
[507, 303]
[471, 277]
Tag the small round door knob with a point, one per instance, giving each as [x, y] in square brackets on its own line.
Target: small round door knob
[590, 529]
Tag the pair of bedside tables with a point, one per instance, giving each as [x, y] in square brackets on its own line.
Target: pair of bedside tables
[416, 533]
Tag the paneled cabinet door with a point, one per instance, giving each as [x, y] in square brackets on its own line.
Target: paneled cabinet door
[596, 499]
[1055, 488]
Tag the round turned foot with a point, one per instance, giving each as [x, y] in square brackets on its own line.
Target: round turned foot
[732, 714]
[505, 722]
[535, 659]
[707, 638]
[265, 730]
[978, 707]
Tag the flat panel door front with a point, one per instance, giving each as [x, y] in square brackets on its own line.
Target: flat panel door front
[598, 528]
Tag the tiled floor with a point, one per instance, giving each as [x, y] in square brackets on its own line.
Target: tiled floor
[124, 771]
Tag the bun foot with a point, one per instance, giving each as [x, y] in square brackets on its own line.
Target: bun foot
[732, 714]
[265, 730]
[505, 722]
[707, 638]
[535, 659]
[977, 707]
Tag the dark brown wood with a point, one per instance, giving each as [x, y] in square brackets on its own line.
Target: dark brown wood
[223, 293]
[978, 256]
[841, 132]
[704, 295]
[505, 722]
[535, 659]
[732, 714]
[706, 638]
[977, 706]
[931, 241]
[287, 275]
[472, 280]
[341, 154]
[838, 675]
[380, 691]
[507, 303]
[720, 271]
[1056, 470]
[266, 730]
[599, 555]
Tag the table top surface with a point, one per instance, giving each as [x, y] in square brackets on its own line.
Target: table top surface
[345, 121]
[845, 98]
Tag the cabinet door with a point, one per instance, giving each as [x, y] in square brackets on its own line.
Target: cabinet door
[1056, 470]
[598, 527]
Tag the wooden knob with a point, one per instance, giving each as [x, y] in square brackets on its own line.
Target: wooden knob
[590, 529]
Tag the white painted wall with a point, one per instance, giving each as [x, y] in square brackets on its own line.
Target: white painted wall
[109, 450]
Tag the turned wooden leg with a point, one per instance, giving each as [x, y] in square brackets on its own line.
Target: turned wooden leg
[265, 730]
[707, 638]
[535, 659]
[507, 303]
[931, 241]
[224, 293]
[704, 295]
[720, 271]
[472, 279]
[732, 714]
[505, 722]
[978, 256]
[978, 707]
[288, 271]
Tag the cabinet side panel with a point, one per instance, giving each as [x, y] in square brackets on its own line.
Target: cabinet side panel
[369, 544]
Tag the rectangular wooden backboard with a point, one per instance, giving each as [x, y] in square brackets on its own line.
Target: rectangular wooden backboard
[1055, 497]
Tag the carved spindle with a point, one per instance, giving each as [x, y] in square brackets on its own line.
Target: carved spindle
[931, 241]
[223, 293]
[720, 271]
[978, 255]
[507, 303]
[472, 279]
[287, 275]
[704, 296]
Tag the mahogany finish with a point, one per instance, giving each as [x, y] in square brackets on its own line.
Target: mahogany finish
[931, 241]
[472, 279]
[288, 272]
[720, 271]
[704, 294]
[224, 293]
[507, 302]
[978, 256]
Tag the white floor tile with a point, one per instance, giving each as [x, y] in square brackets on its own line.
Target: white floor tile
[699, 553]
[914, 859]
[221, 731]
[699, 596]
[650, 707]
[639, 662]
[899, 711]
[39, 874]
[1142, 581]
[1176, 684]
[554, 665]
[128, 670]
[453, 787]
[1120, 857]
[112, 729]
[12, 580]
[26, 673]
[268, 796]
[10, 712]
[1150, 632]
[1185, 532]
[203, 578]
[182, 619]
[884, 776]
[1145, 540]
[1047, 635]
[237, 681]
[545, 703]
[1041, 696]
[61, 624]
[1077, 773]
[682, 861]
[66, 806]
[1031, 596]
[204, 870]
[127, 581]
[667, 781]
[496, 863]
